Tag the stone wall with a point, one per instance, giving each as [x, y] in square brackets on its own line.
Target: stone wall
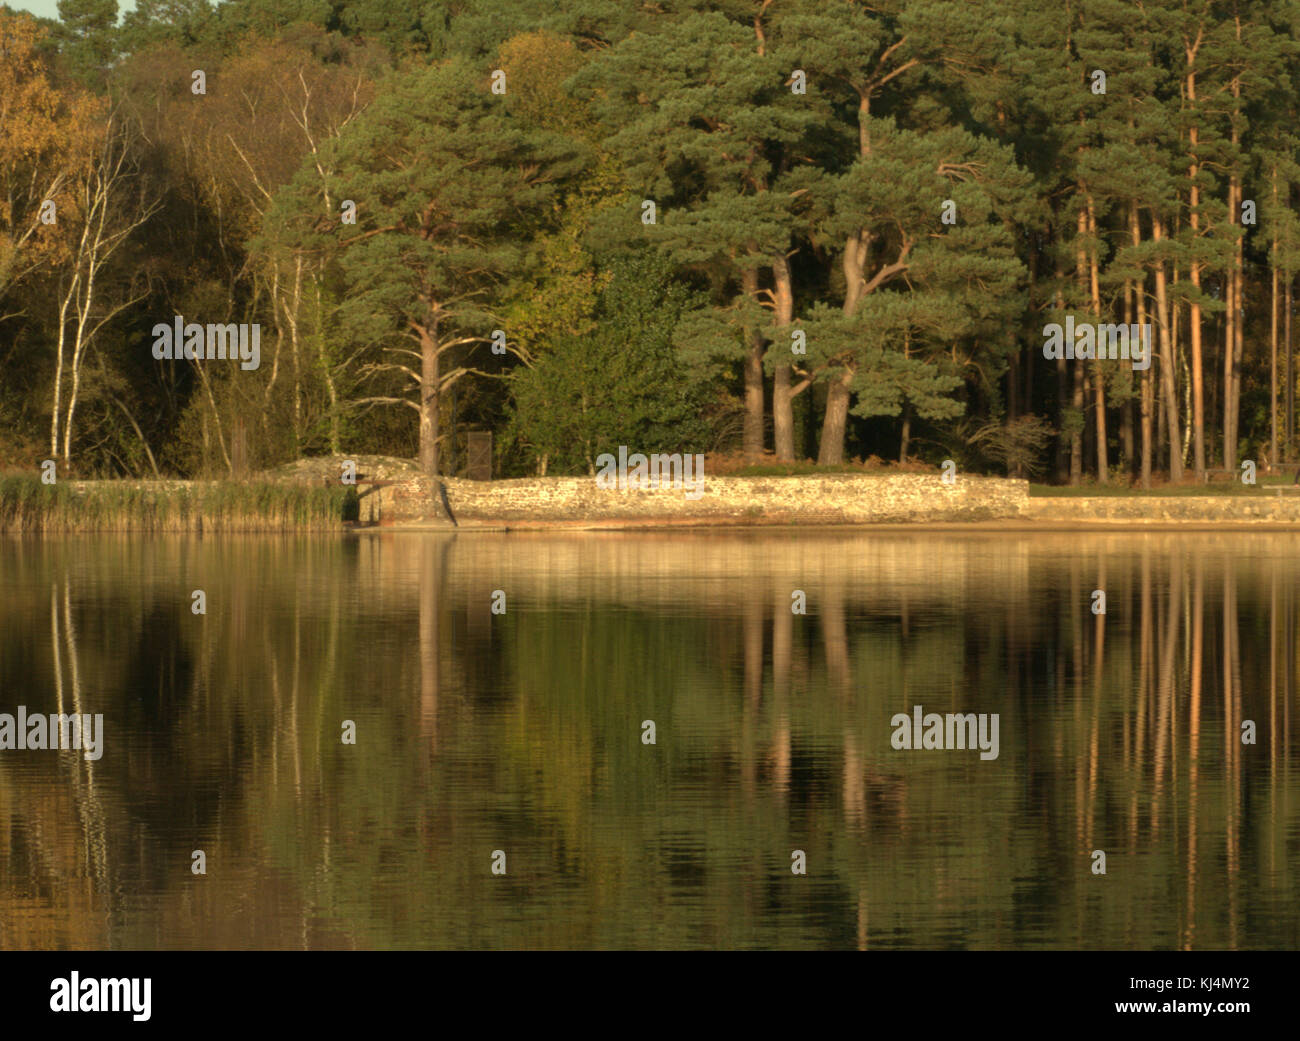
[1263, 507]
[823, 499]
[817, 499]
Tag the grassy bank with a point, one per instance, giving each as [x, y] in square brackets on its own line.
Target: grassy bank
[28, 506]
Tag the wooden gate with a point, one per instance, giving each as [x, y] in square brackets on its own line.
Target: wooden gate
[478, 455]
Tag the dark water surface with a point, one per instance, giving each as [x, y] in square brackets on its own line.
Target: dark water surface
[522, 732]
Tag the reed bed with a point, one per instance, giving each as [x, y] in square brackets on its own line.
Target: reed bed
[29, 507]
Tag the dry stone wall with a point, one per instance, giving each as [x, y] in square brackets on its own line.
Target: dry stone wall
[1265, 508]
[817, 499]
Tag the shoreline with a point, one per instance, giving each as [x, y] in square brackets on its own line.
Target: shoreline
[988, 527]
[856, 503]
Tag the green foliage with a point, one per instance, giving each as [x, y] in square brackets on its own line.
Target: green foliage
[817, 212]
[450, 188]
[154, 22]
[87, 35]
[621, 383]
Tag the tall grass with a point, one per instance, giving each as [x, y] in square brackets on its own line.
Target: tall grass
[28, 506]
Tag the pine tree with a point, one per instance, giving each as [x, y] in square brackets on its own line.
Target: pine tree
[701, 137]
[447, 187]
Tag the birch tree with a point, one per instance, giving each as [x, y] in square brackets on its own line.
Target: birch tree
[111, 202]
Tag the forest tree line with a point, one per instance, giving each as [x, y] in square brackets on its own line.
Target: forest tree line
[789, 229]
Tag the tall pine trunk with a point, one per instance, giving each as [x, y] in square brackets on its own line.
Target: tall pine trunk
[1232, 331]
[753, 431]
[838, 396]
[1194, 316]
[782, 395]
[1148, 387]
[1234, 343]
[1272, 341]
[1290, 372]
[1099, 373]
[1169, 372]
[1078, 393]
[857, 248]
[831, 452]
[1239, 337]
[429, 399]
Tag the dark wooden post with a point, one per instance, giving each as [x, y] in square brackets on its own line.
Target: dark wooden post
[478, 464]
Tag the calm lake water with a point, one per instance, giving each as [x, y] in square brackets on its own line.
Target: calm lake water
[523, 732]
